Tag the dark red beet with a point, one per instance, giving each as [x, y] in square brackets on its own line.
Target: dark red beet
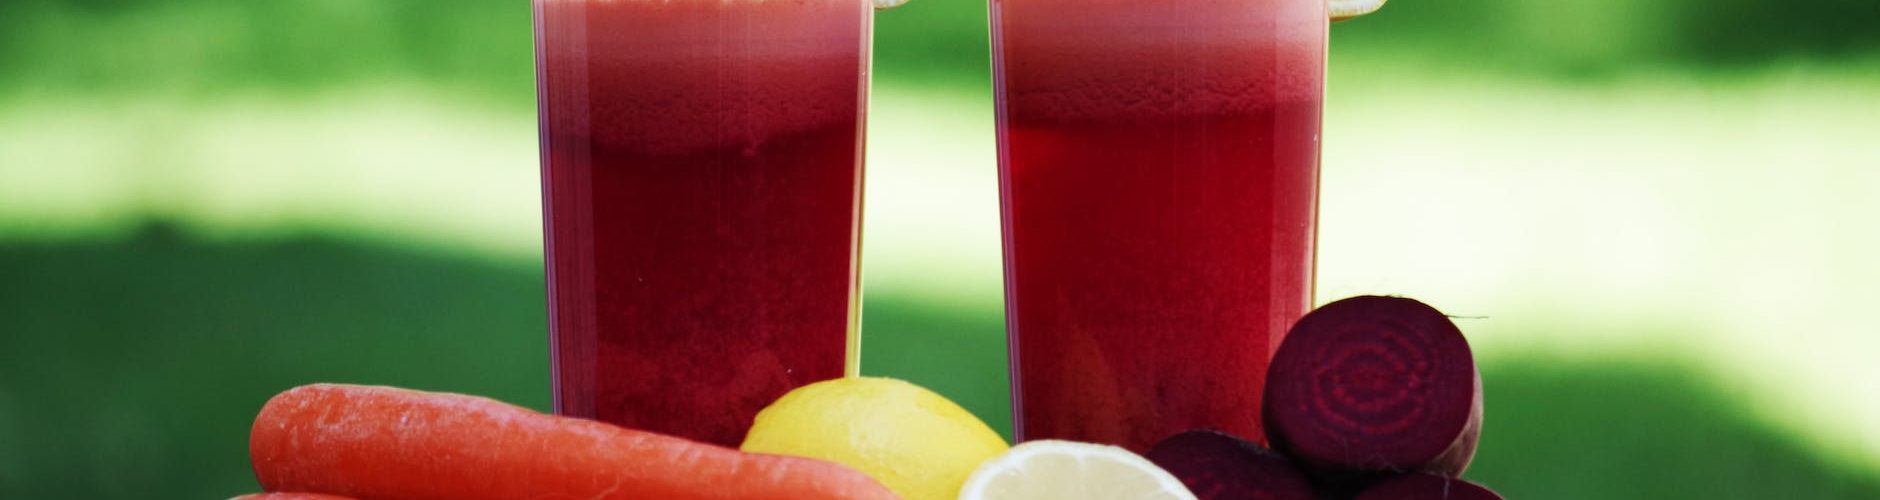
[1219, 466]
[1369, 386]
[1428, 487]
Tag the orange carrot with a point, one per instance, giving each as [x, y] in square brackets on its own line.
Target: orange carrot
[383, 442]
[288, 496]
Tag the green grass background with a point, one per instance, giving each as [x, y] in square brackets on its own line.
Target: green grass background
[1662, 212]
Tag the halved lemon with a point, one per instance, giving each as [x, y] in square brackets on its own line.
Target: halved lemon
[1051, 469]
[913, 440]
[1340, 9]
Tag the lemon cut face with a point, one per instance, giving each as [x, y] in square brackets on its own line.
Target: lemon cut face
[1050, 470]
[1340, 9]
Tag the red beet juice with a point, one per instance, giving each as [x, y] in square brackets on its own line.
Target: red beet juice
[1159, 171]
[701, 174]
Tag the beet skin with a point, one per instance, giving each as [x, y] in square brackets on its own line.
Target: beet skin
[1428, 487]
[1219, 466]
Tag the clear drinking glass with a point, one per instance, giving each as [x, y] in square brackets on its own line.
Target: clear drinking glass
[701, 176]
[1159, 169]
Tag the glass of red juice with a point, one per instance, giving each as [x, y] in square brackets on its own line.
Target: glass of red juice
[701, 176]
[1158, 166]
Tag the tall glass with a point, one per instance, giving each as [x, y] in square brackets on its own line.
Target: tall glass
[1159, 169]
[701, 176]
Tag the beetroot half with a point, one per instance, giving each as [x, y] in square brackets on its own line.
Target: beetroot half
[1369, 386]
[1428, 487]
[1215, 465]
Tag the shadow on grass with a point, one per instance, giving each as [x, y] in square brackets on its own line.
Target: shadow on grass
[133, 369]
[959, 353]
[1639, 429]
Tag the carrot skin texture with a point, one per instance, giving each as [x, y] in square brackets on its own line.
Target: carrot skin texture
[384, 442]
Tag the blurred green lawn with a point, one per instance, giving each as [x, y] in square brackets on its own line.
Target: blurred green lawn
[1663, 211]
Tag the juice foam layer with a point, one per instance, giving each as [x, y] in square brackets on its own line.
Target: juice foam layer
[675, 76]
[1073, 59]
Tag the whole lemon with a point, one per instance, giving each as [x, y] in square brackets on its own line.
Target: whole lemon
[918, 443]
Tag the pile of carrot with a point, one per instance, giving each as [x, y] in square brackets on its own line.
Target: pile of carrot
[331, 441]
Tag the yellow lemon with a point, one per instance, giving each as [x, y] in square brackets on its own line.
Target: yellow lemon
[916, 442]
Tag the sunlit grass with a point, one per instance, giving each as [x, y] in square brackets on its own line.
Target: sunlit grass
[392, 162]
[1730, 219]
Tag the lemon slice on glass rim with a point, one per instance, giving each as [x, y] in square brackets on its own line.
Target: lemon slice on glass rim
[1339, 9]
